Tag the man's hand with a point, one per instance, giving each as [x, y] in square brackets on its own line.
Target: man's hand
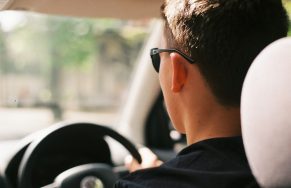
[149, 160]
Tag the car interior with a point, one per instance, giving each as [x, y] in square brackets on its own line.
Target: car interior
[87, 147]
[265, 113]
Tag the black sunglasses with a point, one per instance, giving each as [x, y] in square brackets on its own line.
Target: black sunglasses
[156, 60]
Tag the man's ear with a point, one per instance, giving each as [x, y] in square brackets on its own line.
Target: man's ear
[179, 72]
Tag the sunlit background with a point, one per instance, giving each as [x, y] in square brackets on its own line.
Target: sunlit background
[60, 68]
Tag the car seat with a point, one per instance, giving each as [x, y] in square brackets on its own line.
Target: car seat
[2, 183]
[266, 115]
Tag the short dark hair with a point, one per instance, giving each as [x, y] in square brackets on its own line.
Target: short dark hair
[224, 37]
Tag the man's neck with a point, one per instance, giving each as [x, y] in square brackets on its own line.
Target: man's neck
[216, 123]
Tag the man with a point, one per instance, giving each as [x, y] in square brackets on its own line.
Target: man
[208, 48]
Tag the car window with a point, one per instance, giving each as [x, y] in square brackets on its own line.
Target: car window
[56, 68]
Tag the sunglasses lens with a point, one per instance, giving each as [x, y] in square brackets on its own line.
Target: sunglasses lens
[156, 61]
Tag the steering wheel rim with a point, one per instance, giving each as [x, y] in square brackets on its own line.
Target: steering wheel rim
[32, 152]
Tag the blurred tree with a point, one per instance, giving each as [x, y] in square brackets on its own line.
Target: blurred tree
[287, 4]
[5, 61]
[49, 49]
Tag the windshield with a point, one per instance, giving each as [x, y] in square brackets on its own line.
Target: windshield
[61, 68]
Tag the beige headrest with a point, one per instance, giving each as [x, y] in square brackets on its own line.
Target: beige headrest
[266, 115]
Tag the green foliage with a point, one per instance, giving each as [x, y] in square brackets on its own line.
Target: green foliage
[69, 43]
[287, 4]
[3, 56]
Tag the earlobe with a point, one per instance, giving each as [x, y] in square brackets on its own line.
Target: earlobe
[179, 73]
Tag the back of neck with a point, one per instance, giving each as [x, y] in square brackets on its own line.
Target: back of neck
[219, 122]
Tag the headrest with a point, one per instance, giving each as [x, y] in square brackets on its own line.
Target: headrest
[266, 115]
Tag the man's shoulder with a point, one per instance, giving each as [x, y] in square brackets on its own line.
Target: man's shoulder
[169, 176]
[216, 154]
[204, 164]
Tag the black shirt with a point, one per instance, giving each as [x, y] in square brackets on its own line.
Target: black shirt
[218, 162]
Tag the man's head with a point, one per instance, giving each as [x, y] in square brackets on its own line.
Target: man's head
[223, 37]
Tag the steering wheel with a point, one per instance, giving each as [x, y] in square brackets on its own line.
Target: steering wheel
[76, 137]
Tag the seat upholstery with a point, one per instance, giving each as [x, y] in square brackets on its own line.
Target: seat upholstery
[266, 115]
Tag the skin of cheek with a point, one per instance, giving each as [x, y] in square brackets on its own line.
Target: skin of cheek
[171, 99]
